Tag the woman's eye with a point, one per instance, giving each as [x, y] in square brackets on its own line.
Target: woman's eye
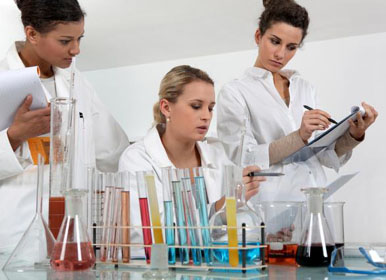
[196, 107]
[292, 48]
[275, 41]
[64, 42]
[210, 109]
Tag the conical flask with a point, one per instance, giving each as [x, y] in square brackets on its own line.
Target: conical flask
[73, 249]
[227, 223]
[34, 248]
[316, 242]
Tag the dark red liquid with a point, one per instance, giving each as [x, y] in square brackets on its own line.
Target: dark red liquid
[56, 210]
[316, 257]
[71, 260]
[338, 245]
[145, 218]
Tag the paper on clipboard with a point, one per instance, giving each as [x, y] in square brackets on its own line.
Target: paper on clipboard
[15, 85]
[324, 139]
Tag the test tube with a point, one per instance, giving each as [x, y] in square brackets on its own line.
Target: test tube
[201, 204]
[125, 215]
[115, 224]
[109, 191]
[190, 208]
[168, 213]
[154, 209]
[145, 217]
[180, 216]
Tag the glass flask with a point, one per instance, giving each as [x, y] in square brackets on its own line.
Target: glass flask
[73, 250]
[62, 143]
[226, 224]
[335, 220]
[316, 241]
[34, 248]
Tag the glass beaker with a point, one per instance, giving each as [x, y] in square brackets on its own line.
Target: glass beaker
[227, 223]
[316, 242]
[62, 143]
[283, 227]
[73, 249]
[335, 220]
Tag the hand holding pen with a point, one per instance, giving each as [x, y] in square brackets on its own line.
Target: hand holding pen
[252, 183]
[313, 119]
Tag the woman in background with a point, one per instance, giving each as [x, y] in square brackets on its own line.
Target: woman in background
[182, 118]
[267, 102]
[53, 32]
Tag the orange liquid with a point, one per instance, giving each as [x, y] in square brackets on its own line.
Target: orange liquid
[285, 256]
[71, 261]
[56, 212]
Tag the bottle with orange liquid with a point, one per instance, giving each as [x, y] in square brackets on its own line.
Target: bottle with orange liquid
[73, 250]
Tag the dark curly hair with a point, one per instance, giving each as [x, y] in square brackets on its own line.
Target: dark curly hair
[44, 15]
[287, 11]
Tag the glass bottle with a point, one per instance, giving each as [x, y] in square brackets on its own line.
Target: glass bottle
[316, 241]
[227, 223]
[73, 249]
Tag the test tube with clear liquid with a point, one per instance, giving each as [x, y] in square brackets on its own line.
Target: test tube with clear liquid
[168, 213]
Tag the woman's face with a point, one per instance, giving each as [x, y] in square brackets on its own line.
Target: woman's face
[277, 46]
[191, 115]
[60, 45]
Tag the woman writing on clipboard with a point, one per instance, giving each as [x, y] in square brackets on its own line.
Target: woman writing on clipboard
[53, 32]
[267, 102]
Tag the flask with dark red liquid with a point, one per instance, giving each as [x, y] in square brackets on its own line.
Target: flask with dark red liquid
[316, 242]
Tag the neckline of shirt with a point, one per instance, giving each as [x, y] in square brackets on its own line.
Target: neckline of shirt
[256, 72]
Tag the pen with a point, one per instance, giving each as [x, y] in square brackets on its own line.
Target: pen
[309, 108]
[253, 174]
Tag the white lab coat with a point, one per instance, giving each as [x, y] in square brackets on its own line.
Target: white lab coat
[149, 154]
[253, 99]
[99, 142]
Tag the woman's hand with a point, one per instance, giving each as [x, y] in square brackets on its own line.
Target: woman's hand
[28, 124]
[313, 120]
[283, 235]
[358, 128]
[252, 184]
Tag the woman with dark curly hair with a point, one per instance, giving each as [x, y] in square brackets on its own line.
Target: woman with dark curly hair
[267, 102]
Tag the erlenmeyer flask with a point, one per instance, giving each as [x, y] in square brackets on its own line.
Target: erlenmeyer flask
[234, 214]
[316, 242]
[73, 249]
[34, 248]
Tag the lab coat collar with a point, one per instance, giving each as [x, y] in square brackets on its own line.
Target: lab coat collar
[156, 150]
[260, 73]
[13, 58]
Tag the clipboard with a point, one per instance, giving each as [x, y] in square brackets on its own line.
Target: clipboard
[15, 85]
[325, 139]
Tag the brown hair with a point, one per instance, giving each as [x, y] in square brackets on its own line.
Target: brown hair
[172, 86]
[287, 11]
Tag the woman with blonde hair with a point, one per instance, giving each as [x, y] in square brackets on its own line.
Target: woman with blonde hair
[182, 118]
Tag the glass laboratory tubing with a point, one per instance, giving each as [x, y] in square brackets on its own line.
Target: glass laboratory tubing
[145, 214]
[201, 203]
[283, 228]
[335, 220]
[62, 140]
[227, 223]
[34, 249]
[316, 242]
[180, 217]
[124, 183]
[73, 250]
[168, 213]
[191, 218]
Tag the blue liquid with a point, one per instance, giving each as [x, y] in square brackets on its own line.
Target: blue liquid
[180, 217]
[204, 221]
[192, 222]
[223, 257]
[169, 232]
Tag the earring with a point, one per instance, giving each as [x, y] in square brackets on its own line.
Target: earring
[167, 119]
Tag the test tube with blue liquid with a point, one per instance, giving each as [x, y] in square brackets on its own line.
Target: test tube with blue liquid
[180, 216]
[190, 208]
[168, 213]
[201, 204]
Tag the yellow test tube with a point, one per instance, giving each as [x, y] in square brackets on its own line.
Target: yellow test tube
[154, 210]
[230, 204]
